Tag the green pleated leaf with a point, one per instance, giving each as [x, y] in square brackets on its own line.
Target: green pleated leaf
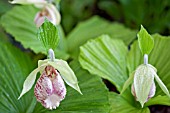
[19, 22]
[159, 58]
[48, 34]
[120, 105]
[106, 58]
[14, 67]
[94, 98]
[145, 40]
[93, 28]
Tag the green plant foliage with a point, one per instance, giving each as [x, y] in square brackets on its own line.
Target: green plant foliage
[107, 58]
[153, 14]
[145, 40]
[93, 28]
[119, 105]
[72, 12]
[49, 35]
[94, 98]
[23, 29]
[158, 100]
[14, 67]
[4, 6]
[96, 57]
[159, 58]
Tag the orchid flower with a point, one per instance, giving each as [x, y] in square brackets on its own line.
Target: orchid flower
[50, 88]
[143, 86]
[48, 10]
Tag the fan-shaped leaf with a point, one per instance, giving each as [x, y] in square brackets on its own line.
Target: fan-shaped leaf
[105, 57]
[94, 27]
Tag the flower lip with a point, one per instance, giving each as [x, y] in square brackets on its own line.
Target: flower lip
[50, 88]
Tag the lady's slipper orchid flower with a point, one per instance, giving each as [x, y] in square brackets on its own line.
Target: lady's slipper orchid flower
[50, 88]
[48, 10]
[143, 86]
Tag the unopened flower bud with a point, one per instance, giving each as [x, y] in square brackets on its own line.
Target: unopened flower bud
[143, 87]
[50, 89]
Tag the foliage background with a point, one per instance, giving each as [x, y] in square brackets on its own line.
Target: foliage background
[82, 20]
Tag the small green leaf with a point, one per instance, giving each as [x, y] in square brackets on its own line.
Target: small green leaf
[162, 86]
[128, 82]
[145, 40]
[29, 81]
[48, 34]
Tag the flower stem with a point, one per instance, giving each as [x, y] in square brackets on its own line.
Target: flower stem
[145, 59]
[51, 54]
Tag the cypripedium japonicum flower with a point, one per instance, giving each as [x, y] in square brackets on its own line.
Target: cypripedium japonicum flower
[50, 88]
[143, 85]
[47, 10]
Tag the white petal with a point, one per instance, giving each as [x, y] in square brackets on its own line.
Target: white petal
[54, 14]
[162, 85]
[66, 73]
[28, 83]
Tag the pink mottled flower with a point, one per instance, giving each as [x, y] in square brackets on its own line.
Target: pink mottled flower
[50, 89]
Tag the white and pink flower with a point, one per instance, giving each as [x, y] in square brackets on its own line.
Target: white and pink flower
[47, 10]
[50, 89]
